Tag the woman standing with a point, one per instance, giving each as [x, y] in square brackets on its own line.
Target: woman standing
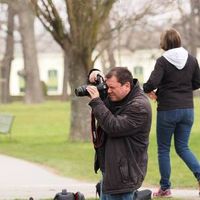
[176, 74]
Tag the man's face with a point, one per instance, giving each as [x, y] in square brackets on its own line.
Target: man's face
[117, 91]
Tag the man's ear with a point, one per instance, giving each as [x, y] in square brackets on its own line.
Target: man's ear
[127, 85]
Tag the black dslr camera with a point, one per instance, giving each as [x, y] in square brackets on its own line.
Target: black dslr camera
[100, 84]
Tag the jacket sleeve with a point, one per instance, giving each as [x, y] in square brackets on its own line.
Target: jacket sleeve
[196, 77]
[155, 77]
[130, 121]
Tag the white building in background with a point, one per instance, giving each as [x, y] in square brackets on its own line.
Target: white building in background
[140, 63]
[51, 72]
[51, 66]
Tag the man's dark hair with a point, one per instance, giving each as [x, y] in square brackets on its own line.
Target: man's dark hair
[122, 74]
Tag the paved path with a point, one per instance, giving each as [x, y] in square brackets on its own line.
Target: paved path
[20, 179]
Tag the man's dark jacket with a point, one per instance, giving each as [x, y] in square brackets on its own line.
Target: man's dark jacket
[126, 125]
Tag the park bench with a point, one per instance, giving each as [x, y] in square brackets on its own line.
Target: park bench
[6, 121]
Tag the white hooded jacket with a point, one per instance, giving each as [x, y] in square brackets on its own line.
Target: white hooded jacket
[177, 56]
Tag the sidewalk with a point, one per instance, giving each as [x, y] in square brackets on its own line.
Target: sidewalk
[20, 179]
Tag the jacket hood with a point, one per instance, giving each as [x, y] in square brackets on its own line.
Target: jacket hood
[177, 57]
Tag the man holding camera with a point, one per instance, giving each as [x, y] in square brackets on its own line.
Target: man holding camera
[121, 124]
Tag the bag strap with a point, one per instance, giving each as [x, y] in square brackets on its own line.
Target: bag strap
[97, 133]
[98, 189]
[79, 196]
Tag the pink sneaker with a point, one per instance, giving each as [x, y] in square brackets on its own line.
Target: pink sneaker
[163, 193]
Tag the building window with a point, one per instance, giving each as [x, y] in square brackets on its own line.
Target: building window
[138, 73]
[21, 85]
[52, 82]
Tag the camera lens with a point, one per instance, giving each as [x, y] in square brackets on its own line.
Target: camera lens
[81, 91]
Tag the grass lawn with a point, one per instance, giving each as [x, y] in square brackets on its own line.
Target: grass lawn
[40, 134]
[156, 199]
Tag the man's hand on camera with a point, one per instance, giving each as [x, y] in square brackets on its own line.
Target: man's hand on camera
[93, 76]
[92, 90]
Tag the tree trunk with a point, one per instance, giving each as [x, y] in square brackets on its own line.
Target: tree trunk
[108, 46]
[193, 27]
[33, 88]
[78, 39]
[80, 117]
[7, 60]
[107, 60]
[111, 57]
[65, 94]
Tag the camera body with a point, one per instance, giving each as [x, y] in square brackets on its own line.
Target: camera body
[100, 84]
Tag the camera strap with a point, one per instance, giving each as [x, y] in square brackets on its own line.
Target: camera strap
[97, 133]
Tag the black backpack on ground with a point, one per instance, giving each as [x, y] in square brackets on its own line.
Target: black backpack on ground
[64, 195]
[143, 194]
